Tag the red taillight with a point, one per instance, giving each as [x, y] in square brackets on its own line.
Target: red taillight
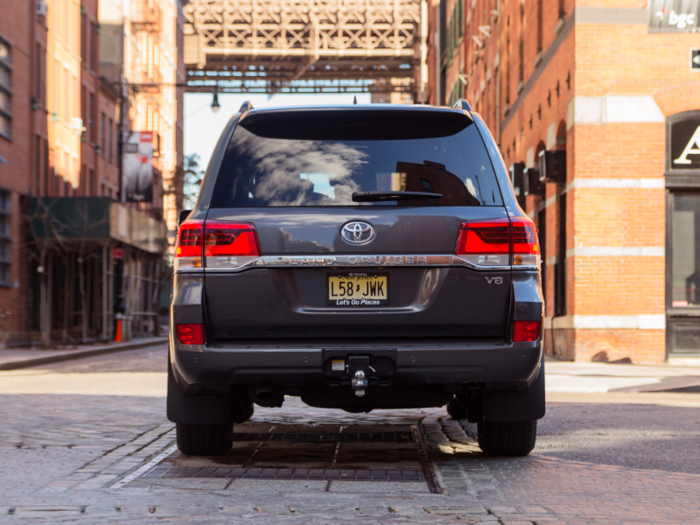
[190, 334]
[490, 243]
[230, 239]
[524, 331]
[189, 239]
[487, 237]
[524, 238]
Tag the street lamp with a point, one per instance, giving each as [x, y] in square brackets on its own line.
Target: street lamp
[215, 106]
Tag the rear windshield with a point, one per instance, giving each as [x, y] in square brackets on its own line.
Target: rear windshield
[330, 157]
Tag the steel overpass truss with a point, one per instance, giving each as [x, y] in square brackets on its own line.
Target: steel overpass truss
[303, 46]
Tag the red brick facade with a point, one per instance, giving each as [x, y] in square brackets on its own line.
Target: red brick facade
[590, 78]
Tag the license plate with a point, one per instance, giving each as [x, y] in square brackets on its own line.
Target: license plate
[358, 289]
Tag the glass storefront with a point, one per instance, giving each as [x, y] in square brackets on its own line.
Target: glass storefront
[685, 249]
[682, 183]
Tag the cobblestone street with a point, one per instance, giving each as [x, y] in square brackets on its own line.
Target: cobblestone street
[87, 441]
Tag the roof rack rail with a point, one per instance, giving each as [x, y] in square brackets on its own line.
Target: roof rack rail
[246, 106]
[463, 104]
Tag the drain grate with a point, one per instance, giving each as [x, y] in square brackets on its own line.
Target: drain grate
[351, 437]
[163, 472]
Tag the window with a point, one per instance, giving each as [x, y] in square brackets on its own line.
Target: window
[111, 139]
[93, 46]
[5, 93]
[521, 47]
[685, 250]
[103, 134]
[46, 167]
[75, 110]
[5, 238]
[91, 119]
[560, 267]
[90, 183]
[83, 104]
[325, 158]
[44, 74]
[56, 84]
[37, 164]
[66, 97]
[38, 73]
[66, 170]
[540, 28]
[66, 22]
[83, 39]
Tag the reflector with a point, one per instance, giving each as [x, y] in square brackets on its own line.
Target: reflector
[190, 334]
[524, 331]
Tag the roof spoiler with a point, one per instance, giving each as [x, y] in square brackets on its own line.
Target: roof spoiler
[463, 104]
[246, 106]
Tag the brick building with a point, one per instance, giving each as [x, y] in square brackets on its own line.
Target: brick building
[70, 252]
[602, 100]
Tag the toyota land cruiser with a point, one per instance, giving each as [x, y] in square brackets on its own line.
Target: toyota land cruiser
[360, 257]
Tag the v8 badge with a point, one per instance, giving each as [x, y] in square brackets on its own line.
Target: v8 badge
[494, 280]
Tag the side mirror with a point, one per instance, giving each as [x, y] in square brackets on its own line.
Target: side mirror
[183, 217]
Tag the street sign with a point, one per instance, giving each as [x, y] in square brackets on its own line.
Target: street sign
[674, 16]
[695, 60]
[684, 142]
[117, 253]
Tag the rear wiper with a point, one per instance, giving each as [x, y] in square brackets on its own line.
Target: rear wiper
[373, 196]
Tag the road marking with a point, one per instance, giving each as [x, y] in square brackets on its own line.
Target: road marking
[142, 470]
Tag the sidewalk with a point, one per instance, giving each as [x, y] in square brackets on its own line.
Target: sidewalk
[24, 357]
[563, 376]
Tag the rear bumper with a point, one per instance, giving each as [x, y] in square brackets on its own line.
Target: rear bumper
[498, 367]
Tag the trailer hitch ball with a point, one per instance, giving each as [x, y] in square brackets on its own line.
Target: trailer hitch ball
[359, 383]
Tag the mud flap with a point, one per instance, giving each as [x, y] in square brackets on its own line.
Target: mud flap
[517, 406]
[196, 410]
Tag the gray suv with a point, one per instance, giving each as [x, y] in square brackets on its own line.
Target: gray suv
[359, 257]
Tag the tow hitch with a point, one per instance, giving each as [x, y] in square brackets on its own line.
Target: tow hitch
[358, 368]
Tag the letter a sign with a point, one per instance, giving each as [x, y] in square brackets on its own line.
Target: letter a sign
[685, 144]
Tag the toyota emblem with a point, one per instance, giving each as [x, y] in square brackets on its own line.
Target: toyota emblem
[358, 233]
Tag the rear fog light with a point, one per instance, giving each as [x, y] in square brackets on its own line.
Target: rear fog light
[190, 334]
[524, 331]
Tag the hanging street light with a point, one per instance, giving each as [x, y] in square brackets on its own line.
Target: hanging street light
[215, 106]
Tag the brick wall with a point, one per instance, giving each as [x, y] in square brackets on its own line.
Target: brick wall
[599, 85]
[22, 30]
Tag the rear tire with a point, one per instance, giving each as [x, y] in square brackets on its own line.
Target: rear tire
[204, 440]
[457, 410]
[509, 438]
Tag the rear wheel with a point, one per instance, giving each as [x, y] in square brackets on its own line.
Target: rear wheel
[204, 440]
[457, 408]
[509, 438]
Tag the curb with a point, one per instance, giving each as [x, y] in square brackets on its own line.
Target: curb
[79, 354]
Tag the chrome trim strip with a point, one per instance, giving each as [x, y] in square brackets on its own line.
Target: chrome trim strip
[238, 264]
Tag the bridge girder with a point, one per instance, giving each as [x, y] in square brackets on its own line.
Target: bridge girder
[295, 45]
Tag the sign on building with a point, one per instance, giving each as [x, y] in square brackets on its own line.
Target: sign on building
[684, 140]
[695, 60]
[674, 16]
[137, 167]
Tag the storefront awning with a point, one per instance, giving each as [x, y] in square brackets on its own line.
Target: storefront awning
[97, 219]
